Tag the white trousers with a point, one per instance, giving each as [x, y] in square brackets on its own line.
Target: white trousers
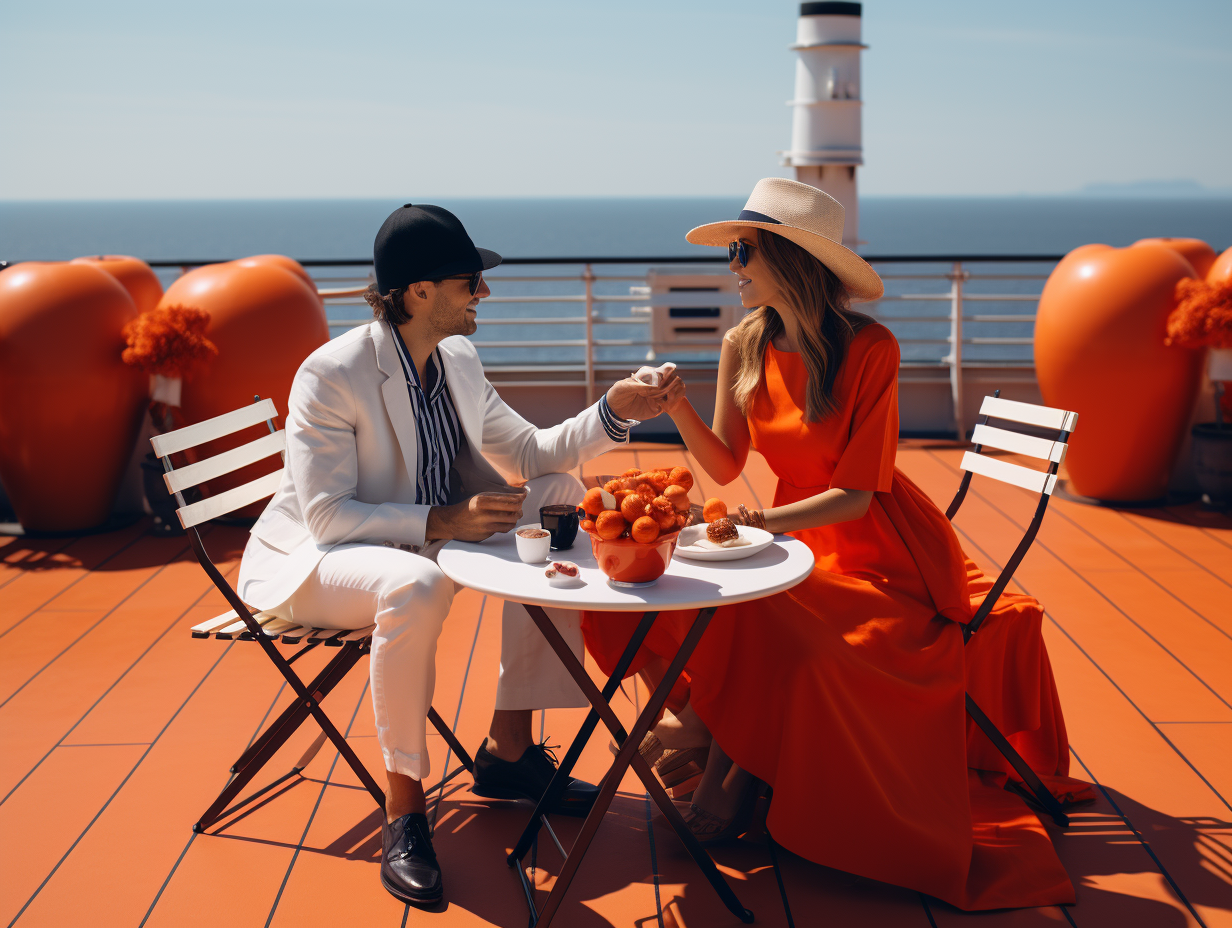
[408, 597]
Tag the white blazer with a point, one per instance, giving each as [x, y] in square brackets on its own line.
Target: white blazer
[352, 456]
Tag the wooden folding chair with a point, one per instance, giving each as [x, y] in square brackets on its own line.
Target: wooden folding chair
[1045, 435]
[243, 625]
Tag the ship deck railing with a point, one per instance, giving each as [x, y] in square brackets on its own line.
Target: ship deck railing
[956, 316]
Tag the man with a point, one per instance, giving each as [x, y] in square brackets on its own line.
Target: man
[393, 440]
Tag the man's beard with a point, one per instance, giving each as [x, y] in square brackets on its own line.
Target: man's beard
[449, 322]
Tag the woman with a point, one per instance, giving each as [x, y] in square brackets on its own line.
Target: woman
[845, 694]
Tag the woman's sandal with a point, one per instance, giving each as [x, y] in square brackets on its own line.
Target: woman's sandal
[709, 829]
[673, 766]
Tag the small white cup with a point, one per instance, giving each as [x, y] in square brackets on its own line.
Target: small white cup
[533, 550]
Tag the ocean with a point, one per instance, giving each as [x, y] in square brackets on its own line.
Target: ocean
[194, 230]
[202, 230]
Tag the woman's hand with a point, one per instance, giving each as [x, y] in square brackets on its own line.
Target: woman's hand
[745, 516]
[633, 399]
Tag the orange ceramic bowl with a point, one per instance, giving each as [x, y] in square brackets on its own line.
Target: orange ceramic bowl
[627, 561]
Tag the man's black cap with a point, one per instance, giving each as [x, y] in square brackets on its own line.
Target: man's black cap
[425, 243]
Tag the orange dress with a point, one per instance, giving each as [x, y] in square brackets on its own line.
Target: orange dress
[846, 693]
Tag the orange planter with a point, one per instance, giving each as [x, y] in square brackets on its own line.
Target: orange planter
[134, 275]
[70, 409]
[264, 320]
[627, 561]
[1221, 270]
[1099, 350]
[282, 261]
[1199, 254]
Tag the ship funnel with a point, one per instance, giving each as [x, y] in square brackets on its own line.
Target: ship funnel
[826, 146]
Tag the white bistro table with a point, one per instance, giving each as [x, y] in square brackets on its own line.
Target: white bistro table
[493, 567]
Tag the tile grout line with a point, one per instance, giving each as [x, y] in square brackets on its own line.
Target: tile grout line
[1051, 618]
[1063, 562]
[1147, 719]
[654, 857]
[128, 776]
[20, 572]
[104, 618]
[1110, 602]
[1141, 839]
[1089, 534]
[183, 853]
[320, 796]
[85, 573]
[1168, 544]
[113, 685]
[457, 716]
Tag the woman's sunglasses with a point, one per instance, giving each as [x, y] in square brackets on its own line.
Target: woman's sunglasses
[472, 280]
[738, 251]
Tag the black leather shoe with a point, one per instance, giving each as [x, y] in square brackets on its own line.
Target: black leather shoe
[408, 867]
[528, 778]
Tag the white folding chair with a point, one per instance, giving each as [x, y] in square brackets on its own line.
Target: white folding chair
[243, 625]
[1045, 436]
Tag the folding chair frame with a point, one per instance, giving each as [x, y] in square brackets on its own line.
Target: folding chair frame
[1032, 781]
[308, 697]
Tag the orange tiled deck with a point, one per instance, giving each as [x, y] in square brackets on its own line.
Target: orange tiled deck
[118, 728]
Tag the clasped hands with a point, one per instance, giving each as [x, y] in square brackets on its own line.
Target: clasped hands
[632, 399]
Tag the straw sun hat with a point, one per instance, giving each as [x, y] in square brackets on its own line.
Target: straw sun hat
[805, 215]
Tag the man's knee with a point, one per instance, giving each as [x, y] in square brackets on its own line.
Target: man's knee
[420, 594]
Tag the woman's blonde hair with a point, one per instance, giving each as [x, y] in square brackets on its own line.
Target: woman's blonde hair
[826, 325]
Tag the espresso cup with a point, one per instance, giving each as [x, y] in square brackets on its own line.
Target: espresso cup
[561, 521]
[534, 543]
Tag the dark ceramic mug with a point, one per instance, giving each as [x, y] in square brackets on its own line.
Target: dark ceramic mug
[561, 522]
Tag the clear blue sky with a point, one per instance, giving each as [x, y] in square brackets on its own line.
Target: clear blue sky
[374, 98]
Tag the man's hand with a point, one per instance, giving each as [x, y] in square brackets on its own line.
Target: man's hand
[632, 399]
[476, 518]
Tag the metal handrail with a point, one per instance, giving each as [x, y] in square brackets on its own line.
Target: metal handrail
[673, 259]
[956, 295]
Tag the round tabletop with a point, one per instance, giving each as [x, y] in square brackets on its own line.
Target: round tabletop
[492, 567]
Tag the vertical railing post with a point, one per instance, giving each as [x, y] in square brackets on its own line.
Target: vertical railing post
[955, 357]
[589, 276]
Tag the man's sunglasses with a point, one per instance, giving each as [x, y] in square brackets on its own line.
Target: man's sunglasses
[738, 251]
[472, 280]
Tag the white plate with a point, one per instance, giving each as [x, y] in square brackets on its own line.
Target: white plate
[759, 540]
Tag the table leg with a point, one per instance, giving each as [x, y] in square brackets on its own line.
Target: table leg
[561, 777]
[628, 756]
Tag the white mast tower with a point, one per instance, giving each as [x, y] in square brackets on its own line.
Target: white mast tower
[826, 145]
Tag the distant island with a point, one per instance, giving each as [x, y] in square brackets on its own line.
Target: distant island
[1155, 189]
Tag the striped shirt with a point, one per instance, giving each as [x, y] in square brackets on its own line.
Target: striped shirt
[440, 433]
[436, 426]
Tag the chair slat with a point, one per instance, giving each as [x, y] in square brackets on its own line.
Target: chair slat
[278, 626]
[1006, 472]
[237, 629]
[1019, 443]
[230, 500]
[228, 624]
[201, 471]
[1030, 413]
[200, 432]
[205, 629]
[325, 634]
[358, 634]
[297, 634]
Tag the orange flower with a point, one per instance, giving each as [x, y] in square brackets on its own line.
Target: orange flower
[169, 341]
[1203, 315]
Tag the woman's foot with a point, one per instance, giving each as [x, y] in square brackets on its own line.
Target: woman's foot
[707, 828]
[723, 803]
[682, 730]
[674, 766]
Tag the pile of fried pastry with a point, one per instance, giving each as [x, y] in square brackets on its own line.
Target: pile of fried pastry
[644, 505]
